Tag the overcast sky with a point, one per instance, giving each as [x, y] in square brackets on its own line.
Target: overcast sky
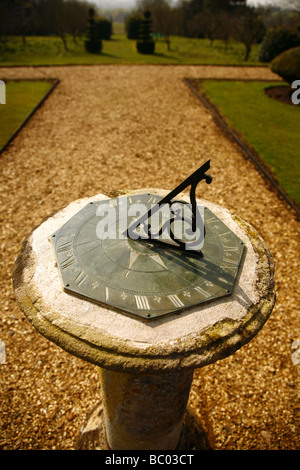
[131, 3]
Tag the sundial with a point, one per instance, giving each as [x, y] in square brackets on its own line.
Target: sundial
[138, 285]
[148, 255]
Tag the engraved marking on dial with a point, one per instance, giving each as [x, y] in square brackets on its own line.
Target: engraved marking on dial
[158, 260]
[152, 200]
[133, 256]
[176, 300]
[65, 247]
[201, 291]
[142, 302]
[106, 293]
[80, 278]
[66, 263]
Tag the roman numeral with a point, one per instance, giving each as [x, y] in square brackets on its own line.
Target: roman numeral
[142, 302]
[65, 247]
[152, 200]
[66, 263]
[176, 300]
[202, 291]
[80, 278]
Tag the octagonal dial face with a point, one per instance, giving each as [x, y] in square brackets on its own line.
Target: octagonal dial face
[137, 276]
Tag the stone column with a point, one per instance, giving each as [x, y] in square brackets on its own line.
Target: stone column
[144, 411]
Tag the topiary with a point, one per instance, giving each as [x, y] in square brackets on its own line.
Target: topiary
[287, 65]
[93, 43]
[104, 27]
[277, 41]
[145, 44]
[132, 26]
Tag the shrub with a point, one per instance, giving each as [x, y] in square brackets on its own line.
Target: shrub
[132, 26]
[104, 27]
[287, 65]
[277, 41]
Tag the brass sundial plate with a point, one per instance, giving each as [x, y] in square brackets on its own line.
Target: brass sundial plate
[137, 276]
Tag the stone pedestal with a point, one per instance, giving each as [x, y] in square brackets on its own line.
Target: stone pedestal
[146, 366]
[144, 411]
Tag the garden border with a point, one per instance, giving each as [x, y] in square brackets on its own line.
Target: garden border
[233, 133]
[54, 81]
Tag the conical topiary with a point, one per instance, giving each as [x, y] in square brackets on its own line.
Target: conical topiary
[145, 43]
[93, 41]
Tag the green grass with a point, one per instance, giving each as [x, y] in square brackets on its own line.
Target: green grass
[271, 128]
[120, 50]
[21, 99]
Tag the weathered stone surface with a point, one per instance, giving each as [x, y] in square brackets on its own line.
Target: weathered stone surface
[196, 337]
[144, 411]
[92, 435]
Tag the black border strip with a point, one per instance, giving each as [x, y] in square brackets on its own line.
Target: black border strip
[54, 81]
[250, 153]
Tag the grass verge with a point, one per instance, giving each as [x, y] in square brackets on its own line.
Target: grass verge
[22, 97]
[266, 125]
[120, 50]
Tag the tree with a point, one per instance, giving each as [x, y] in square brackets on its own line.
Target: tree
[76, 14]
[217, 6]
[249, 28]
[9, 20]
[25, 11]
[62, 17]
[210, 18]
[277, 41]
[212, 24]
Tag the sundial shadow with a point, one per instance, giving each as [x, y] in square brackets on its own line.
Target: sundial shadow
[205, 268]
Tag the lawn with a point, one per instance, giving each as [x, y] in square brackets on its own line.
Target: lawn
[120, 50]
[270, 127]
[21, 99]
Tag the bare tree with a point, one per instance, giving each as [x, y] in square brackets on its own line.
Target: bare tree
[8, 20]
[76, 14]
[249, 29]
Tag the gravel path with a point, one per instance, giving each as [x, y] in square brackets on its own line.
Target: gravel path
[106, 128]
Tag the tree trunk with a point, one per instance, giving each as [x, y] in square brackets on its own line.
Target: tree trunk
[247, 52]
[63, 38]
[168, 42]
